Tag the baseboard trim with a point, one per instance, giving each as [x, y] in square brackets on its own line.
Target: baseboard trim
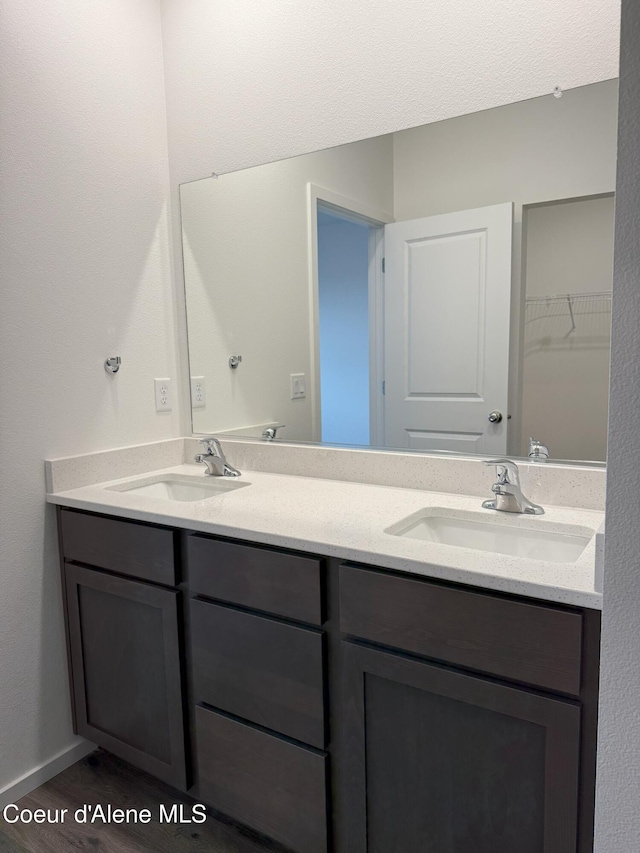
[12, 792]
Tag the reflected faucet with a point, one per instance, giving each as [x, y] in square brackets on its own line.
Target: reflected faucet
[270, 433]
[507, 491]
[214, 459]
[538, 452]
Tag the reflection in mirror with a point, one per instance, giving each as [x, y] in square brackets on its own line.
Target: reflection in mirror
[444, 288]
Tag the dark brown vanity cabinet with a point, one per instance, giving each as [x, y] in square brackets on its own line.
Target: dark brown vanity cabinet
[454, 758]
[124, 643]
[258, 682]
[336, 708]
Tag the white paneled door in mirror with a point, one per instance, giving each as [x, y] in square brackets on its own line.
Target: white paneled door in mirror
[445, 288]
[447, 318]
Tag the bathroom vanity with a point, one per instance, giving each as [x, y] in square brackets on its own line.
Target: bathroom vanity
[334, 703]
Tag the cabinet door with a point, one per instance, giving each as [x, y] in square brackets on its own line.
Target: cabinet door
[126, 670]
[438, 761]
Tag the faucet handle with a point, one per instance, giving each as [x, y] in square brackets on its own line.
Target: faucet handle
[507, 471]
[211, 445]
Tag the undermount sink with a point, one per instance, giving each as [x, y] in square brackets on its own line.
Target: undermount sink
[178, 487]
[516, 536]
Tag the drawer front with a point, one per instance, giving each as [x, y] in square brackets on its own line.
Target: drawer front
[273, 786]
[137, 550]
[265, 671]
[534, 644]
[277, 582]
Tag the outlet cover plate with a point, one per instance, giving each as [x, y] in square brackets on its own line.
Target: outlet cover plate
[198, 392]
[163, 394]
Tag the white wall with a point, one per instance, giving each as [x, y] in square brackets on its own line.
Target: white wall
[86, 274]
[252, 226]
[252, 82]
[618, 790]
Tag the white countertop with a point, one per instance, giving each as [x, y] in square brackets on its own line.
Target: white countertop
[347, 520]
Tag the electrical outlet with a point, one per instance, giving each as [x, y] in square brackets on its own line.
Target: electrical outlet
[198, 392]
[163, 394]
[298, 389]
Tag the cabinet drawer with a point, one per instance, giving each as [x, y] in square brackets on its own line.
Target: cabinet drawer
[261, 780]
[277, 582]
[534, 644]
[138, 550]
[254, 667]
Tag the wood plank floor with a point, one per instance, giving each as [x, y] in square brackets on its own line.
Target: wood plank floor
[102, 778]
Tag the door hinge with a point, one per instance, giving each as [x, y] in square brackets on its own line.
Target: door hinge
[383, 264]
[384, 387]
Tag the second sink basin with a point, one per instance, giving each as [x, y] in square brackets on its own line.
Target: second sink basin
[179, 487]
[515, 536]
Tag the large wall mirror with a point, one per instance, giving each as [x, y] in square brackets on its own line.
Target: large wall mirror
[445, 288]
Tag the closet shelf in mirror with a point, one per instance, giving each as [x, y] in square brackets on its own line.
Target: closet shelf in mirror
[569, 297]
[570, 305]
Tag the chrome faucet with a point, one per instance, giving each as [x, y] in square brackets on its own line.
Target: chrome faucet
[538, 452]
[270, 433]
[213, 458]
[507, 490]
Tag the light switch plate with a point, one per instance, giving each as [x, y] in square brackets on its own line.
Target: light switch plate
[298, 386]
[198, 392]
[163, 394]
